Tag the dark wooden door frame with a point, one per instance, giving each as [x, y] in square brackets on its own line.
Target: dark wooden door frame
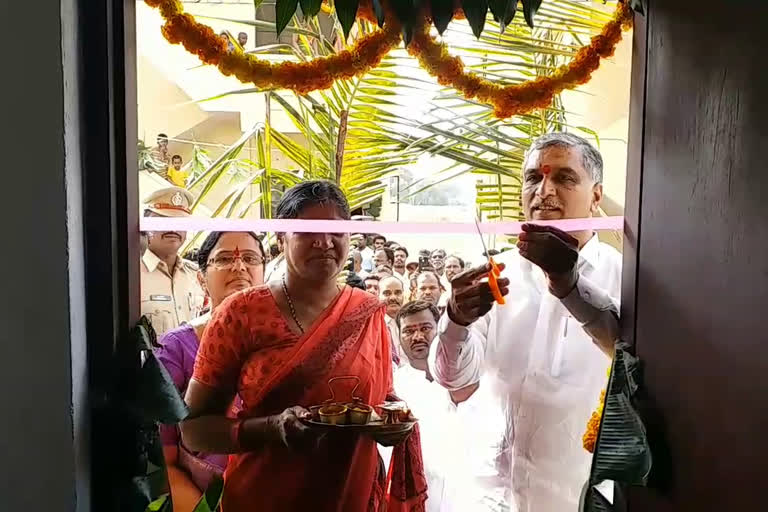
[111, 214]
[110, 191]
[702, 271]
[633, 199]
[634, 178]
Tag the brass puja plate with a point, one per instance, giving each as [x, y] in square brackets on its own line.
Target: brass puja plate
[356, 416]
[373, 427]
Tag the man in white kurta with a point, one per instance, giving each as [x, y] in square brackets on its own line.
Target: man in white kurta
[546, 351]
[366, 253]
[442, 414]
[391, 293]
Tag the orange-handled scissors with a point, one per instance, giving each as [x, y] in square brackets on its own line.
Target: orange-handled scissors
[495, 273]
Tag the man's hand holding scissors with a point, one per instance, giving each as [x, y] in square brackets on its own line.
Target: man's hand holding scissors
[471, 295]
[553, 250]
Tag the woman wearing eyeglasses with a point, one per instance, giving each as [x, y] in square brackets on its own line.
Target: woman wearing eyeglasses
[229, 262]
[276, 347]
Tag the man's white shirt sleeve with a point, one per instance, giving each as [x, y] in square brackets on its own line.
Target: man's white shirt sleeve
[456, 360]
[595, 310]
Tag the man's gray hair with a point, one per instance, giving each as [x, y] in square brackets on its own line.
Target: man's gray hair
[591, 158]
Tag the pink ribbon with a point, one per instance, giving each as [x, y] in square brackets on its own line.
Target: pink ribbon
[353, 226]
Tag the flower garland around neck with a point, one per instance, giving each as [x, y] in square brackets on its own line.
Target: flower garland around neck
[589, 439]
[303, 78]
[516, 99]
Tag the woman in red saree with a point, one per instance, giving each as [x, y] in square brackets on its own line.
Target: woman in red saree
[276, 346]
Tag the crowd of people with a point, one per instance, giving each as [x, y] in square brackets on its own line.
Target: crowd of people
[251, 335]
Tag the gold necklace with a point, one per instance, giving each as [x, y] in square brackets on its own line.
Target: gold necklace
[291, 307]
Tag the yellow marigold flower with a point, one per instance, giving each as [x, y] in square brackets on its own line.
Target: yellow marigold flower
[200, 39]
[433, 56]
[516, 99]
[593, 426]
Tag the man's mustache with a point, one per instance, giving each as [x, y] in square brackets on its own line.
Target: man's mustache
[547, 203]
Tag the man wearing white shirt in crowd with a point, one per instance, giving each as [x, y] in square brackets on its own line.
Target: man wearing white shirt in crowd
[379, 242]
[387, 258]
[372, 284]
[400, 270]
[547, 350]
[365, 252]
[391, 293]
[357, 263]
[429, 288]
[383, 257]
[453, 267]
[432, 404]
[437, 260]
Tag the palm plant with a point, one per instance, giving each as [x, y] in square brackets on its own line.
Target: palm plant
[363, 130]
[511, 55]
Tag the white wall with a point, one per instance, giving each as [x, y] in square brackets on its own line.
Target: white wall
[170, 79]
[603, 105]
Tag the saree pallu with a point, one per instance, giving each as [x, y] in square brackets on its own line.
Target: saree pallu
[249, 347]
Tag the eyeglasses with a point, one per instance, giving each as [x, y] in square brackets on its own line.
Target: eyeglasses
[226, 260]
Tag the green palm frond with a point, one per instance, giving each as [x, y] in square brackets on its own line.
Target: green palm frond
[396, 114]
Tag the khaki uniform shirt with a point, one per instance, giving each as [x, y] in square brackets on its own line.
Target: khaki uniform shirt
[169, 301]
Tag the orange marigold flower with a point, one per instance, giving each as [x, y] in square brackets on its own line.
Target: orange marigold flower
[512, 100]
[200, 39]
[369, 50]
[589, 439]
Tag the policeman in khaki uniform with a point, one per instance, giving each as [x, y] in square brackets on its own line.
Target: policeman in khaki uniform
[170, 292]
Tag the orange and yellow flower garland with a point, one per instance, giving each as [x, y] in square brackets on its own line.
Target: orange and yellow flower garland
[321, 73]
[305, 77]
[593, 425]
[517, 99]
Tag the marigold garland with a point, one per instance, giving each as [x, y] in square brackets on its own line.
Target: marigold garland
[589, 439]
[593, 426]
[517, 99]
[305, 77]
[369, 50]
